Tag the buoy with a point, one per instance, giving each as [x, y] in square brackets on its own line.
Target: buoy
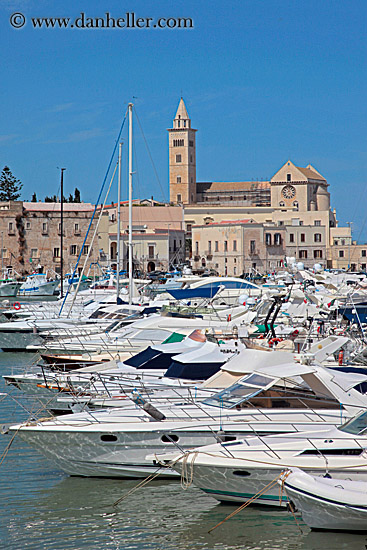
[16, 305]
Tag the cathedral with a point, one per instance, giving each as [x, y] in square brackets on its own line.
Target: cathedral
[292, 187]
[291, 211]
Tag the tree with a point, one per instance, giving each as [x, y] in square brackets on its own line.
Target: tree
[76, 195]
[51, 199]
[9, 186]
[71, 198]
[34, 197]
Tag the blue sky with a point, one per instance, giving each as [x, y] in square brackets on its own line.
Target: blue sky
[263, 81]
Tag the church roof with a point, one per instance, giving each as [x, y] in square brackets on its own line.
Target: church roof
[216, 186]
[182, 111]
[310, 173]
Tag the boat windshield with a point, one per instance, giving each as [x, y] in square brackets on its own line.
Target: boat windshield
[356, 425]
[241, 391]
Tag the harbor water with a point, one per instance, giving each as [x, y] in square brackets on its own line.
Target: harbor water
[41, 508]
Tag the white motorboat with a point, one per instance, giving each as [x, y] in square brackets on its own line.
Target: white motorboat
[240, 470]
[116, 442]
[326, 503]
[38, 284]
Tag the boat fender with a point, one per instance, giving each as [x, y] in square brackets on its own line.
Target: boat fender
[341, 357]
[153, 412]
[16, 305]
[229, 318]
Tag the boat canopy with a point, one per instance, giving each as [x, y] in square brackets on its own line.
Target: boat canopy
[197, 364]
[249, 360]
[189, 293]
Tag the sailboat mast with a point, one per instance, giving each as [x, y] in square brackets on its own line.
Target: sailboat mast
[62, 232]
[118, 225]
[130, 202]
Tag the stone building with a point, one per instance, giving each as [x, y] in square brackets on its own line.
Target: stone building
[30, 235]
[235, 247]
[158, 235]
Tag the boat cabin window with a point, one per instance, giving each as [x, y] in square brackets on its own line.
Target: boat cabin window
[356, 425]
[248, 387]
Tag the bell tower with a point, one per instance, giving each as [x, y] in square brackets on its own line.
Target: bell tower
[182, 158]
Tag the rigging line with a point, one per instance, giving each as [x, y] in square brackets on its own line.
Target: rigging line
[95, 208]
[150, 155]
[92, 241]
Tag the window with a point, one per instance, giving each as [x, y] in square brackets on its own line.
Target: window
[174, 245]
[234, 260]
[216, 246]
[291, 237]
[191, 143]
[235, 271]
[151, 251]
[252, 246]
[34, 252]
[363, 266]
[300, 222]
[28, 225]
[76, 228]
[178, 179]
[189, 228]
[317, 237]
[317, 254]
[244, 197]
[289, 177]
[234, 246]
[190, 158]
[225, 246]
[363, 253]
[44, 228]
[343, 242]
[295, 204]
[59, 230]
[303, 238]
[277, 239]
[341, 253]
[179, 198]
[73, 250]
[302, 254]
[282, 203]
[268, 239]
[225, 260]
[85, 249]
[178, 158]
[4, 253]
[210, 247]
[57, 252]
[318, 222]
[10, 227]
[178, 143]
[196, 248]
